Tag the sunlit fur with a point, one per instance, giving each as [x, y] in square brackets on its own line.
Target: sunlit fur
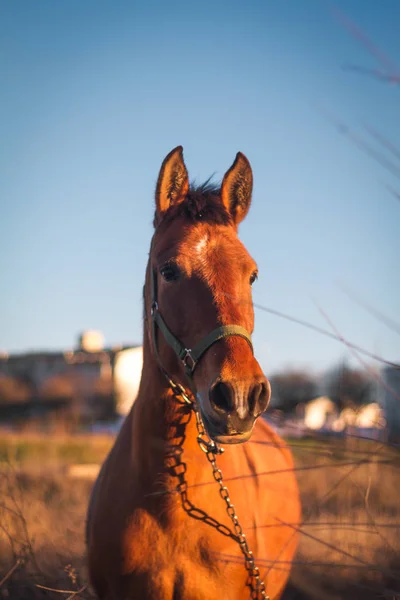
[142, 542]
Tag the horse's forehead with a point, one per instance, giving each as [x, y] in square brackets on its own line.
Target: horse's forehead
[205, 248]
[202, 248]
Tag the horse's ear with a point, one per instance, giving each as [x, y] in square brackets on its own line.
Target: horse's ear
[237, 187]
[173, 181]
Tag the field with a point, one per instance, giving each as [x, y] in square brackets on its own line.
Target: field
[350, 545]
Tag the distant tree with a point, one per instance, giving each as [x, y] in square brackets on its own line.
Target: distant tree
[347, 387]
[13, 389]
[290, 388]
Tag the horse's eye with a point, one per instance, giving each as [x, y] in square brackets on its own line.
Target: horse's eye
[169, 272]
[253, 277]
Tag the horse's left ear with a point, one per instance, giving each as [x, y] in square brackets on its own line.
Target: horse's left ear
[173, 181]
[237, 187]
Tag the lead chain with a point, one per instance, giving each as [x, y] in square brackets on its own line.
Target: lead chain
[211, 449]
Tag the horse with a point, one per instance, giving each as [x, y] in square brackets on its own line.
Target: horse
[172, 516]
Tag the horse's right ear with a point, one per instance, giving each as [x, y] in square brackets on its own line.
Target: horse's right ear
[173, 181]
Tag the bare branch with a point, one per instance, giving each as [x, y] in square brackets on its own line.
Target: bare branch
[362, 144]
[356, 355]
[383, 140]
[392, 191]
[388, 66]
[325, 332]
[389, 322]
[71, 593]
[376, 73]
[10, 572]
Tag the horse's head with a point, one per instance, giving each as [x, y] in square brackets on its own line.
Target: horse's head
[199, 283]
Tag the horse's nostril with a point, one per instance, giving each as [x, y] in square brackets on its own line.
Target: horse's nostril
[254, 396]
[221, 397]
[259, 398]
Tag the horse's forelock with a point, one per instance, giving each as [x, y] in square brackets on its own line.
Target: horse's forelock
[202, 203]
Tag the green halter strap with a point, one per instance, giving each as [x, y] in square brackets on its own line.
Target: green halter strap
[188, 356]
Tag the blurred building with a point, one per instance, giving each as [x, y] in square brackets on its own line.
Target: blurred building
[91, 381]
[127, 372]
[388, 396]
[319, 413]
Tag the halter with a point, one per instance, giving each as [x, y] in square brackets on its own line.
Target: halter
[189, 357]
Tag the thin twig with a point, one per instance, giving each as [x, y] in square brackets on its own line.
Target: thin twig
[357, 559]
[309, 512]
[369, 513]
[364, 146]
[390, 69]
[392, 191]
[28, 545]
[82, 589]
[49, 589]
[383, 140]
[388, 321]
[313, 327]
[356, 355]
[325, 332]
[274, 472]
[10, 572]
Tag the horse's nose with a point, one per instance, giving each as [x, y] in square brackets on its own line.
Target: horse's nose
[241, 398]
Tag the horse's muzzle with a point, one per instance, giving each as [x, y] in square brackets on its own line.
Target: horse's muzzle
[235, 406]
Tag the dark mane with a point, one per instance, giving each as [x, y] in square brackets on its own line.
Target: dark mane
[202, 203]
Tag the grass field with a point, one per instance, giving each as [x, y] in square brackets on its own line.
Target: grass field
[350, 543]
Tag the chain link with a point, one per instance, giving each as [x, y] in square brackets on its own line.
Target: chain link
[211, 450]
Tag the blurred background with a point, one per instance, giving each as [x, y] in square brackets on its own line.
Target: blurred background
[93, 96]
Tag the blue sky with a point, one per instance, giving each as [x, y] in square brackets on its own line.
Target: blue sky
[94, 94]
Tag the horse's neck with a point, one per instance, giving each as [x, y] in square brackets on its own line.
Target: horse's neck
[161, 424]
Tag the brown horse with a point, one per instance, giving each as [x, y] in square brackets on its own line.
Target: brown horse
[161, 522]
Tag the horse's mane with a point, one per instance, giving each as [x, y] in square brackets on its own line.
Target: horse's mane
[202, 203]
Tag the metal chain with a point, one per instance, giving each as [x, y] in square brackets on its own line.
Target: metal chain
[211, 449]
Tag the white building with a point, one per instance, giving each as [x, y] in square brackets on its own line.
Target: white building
[127, 372]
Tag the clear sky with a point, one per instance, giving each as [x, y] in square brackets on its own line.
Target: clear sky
[94, 94]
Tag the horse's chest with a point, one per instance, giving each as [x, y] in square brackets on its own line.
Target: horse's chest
[183, 562]
[160, 542]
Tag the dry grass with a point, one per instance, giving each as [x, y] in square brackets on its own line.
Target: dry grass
[350, 547]
[37, 453]
[42, 532]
